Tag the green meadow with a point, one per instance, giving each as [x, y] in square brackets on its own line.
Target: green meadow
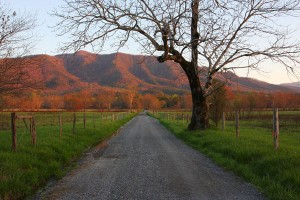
[251, 155]
[28, 169]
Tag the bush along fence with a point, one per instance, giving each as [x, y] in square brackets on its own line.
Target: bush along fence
[184, 117]
[23, 123]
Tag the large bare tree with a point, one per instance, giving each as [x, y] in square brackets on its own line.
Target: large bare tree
[217, 34]
[15, 41]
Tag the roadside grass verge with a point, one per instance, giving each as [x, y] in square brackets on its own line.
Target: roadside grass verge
[23, 172]
[251, 156]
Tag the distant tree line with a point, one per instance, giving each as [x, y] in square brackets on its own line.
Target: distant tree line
[89, 100]
[224, 99]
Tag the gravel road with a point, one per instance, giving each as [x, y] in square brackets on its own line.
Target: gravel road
[145, 161]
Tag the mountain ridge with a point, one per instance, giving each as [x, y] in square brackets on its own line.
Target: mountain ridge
[66, 73]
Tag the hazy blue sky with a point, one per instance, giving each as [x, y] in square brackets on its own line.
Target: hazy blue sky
[47, 42]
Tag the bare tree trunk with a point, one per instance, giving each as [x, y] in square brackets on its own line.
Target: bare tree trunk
[199, 118]
[200, 110]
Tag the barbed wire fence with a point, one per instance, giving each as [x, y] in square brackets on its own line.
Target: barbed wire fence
[19, 129]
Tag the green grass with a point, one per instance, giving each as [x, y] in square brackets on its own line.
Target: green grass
[23, 172]
[251, 156]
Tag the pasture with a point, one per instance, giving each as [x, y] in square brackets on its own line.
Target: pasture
[57, 148]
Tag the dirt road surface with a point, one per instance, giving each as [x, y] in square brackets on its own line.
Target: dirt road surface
[145, 161]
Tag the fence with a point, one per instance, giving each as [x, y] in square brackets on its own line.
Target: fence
[266, 119]
[183, 117]
[24, 128]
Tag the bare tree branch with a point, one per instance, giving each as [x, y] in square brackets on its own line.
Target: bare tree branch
[233, 28]
[15, 42]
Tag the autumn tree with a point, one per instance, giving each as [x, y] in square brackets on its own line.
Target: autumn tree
[283, 100]
[121, 101]
[229, 96]
[217, 101]
[56, 102]
[15, 42]
[131, 93]
[86, 99]
[220, 35]
[262, 100]
[107, 98]
[251, 102]
[71, 102]
[31, 100]
[137, 102]
[149, 101]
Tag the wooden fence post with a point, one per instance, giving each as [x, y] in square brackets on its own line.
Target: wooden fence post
[33, 132]
[14, 131]
[276, 128]
[223, 121]
[84, 119]
[237, 124]
[60, 126]
[74, 122]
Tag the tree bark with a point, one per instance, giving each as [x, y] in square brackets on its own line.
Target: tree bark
[200, 110]
[199, 118]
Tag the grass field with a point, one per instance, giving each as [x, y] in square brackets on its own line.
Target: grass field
[252, 156]
[23, 172]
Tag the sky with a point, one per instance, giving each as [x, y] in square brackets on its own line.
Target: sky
[47, 41]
